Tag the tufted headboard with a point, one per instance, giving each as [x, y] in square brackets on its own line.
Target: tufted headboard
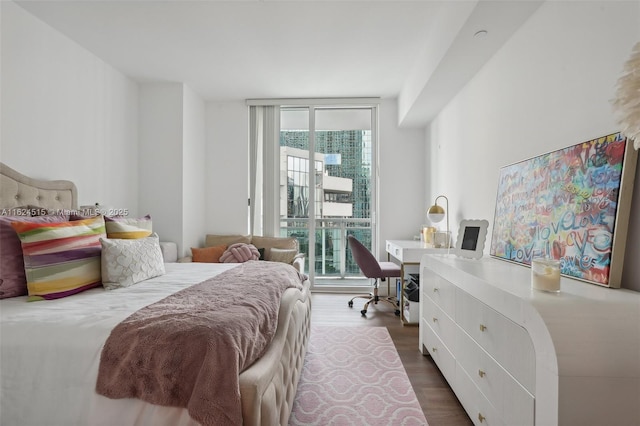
[18, 190]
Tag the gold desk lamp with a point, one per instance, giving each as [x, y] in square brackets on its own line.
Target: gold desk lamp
[436, 213]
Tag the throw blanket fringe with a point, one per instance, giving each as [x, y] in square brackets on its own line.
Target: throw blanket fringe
[188, 349]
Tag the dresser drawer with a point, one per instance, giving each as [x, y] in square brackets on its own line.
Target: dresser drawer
[440, 323]
[441, 291]
[438, 351]
[518, 356]
[504, 340]
[479, 409]
[511, 400]
[519, 405]
[483, 370]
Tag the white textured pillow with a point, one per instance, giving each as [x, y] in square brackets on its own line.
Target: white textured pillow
[127, 262]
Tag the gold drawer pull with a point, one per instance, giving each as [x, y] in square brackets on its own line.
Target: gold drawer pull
[434, 349]
[435, 289]
[481, 417]
[435, 319]
[483, 327]
[481, 373]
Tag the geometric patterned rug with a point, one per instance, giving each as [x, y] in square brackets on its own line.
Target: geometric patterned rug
[354, 376]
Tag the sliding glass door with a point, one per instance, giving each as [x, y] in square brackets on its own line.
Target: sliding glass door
[327, 186]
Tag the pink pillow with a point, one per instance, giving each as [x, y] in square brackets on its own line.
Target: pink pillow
[240, 252]
[13, 281]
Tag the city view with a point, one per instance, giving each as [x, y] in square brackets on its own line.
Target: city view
[342, 168]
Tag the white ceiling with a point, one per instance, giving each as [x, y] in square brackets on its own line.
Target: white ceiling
[231, 50]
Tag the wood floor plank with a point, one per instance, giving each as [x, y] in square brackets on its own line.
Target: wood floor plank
[438, 402]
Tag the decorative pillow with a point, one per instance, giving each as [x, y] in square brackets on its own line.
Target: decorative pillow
[13, 282]
[283, 255]
[239, 252]
[269, 243]
[207, 254]
[61, 258]
[128, 228]
[127, 262]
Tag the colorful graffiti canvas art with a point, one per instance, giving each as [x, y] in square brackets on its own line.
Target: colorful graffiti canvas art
[571, 204]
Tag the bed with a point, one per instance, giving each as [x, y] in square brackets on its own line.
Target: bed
[50, 350]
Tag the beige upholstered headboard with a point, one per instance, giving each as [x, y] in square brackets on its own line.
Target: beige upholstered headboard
[18, 190]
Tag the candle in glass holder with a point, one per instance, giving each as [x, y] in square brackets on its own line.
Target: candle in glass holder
[545, 274]
[428, 232]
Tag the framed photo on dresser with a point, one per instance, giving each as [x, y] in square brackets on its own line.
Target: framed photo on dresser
[471, 237]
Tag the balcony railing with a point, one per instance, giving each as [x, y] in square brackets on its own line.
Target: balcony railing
[332, 259]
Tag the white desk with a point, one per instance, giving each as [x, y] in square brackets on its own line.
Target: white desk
[408, 253]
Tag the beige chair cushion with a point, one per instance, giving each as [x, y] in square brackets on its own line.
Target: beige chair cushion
[213, 240]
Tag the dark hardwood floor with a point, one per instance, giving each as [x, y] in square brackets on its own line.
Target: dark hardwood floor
[439, 403]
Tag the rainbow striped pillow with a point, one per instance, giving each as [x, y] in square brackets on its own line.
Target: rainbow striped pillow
[61, 259]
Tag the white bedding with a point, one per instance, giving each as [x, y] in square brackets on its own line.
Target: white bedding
[50, 353]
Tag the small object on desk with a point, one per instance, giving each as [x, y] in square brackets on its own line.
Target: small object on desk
[428, 233]
[471, 237]
[545, 274]
[442, 239]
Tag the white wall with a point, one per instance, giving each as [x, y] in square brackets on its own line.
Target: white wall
[227, 176]
[549, 87]
[65, 114]
[194, 170]
[402, 186]
[172, 162]
[160, 146]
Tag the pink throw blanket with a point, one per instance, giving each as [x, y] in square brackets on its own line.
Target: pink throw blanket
[188, 349]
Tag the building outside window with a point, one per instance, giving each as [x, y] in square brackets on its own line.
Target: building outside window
[343, 168]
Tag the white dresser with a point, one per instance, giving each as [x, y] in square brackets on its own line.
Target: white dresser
[517, 356]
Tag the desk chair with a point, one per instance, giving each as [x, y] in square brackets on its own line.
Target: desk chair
[372, 268]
